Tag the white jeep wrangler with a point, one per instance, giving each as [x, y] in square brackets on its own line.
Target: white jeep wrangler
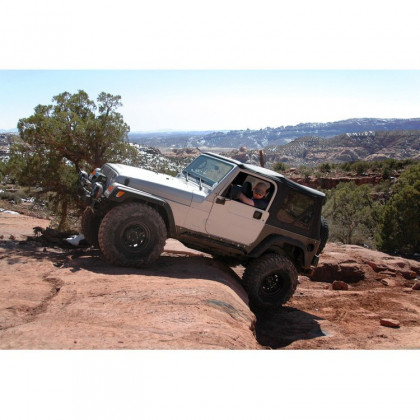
[132, 211]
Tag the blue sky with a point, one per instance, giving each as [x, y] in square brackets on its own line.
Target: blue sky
[221, 99]
[225, 64]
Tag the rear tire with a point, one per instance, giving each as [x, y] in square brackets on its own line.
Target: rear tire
[132, 235]
[271, 281]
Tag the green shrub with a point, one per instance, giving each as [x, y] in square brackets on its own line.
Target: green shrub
[325, 168]
[351, 213]
[399, 223]
[279, 167]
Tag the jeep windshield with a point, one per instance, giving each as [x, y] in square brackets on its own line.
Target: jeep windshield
[207, 170]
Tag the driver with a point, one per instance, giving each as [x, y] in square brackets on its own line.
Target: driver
[259, 199]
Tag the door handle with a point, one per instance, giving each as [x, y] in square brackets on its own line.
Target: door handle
[220, 200]
[257, 215]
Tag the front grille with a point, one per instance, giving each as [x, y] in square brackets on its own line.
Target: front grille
[110, 175]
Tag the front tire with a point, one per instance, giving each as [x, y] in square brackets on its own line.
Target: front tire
[271, 281]
[132, 235]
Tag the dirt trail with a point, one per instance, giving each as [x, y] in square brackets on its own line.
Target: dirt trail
[54, 298]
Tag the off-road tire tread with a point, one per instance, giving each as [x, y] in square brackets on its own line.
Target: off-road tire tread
[261, 267]
[109, 227]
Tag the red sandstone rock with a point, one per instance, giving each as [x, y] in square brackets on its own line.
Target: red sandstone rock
[330, 183]
[388, 322]
[408, 274]
[189, 301]
[340, 285]
[337, 266]
[351, 263]
[388, 282]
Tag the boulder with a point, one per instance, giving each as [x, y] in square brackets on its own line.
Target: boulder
[352, 264]
[335, 266]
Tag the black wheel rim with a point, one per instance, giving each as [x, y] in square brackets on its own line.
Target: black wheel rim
[272, 285]
[134, 238]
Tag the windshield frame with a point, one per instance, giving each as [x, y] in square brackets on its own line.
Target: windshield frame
[203, 168]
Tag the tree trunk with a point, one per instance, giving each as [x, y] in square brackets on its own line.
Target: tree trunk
[63, 216]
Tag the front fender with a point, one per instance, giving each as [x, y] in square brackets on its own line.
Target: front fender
[119, 193]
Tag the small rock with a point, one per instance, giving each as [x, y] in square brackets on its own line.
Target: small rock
[340, 285]
[409, 275]
[388, 322]
[12, 237]
[373, 266]
[388, 282]
[416, 285]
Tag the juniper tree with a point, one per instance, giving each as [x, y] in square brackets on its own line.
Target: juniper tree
[71, 134]
[399, 225]
[351, 213]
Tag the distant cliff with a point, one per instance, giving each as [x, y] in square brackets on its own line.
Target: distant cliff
[256, 139]
[368, 146]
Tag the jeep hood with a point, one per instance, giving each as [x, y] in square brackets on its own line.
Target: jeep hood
[161, 185]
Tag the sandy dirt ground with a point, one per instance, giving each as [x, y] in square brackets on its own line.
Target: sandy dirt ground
[55, 298]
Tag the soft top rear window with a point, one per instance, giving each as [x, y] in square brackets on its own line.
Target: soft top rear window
[297, 209]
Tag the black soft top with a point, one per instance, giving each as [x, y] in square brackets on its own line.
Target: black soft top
[275, 176]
